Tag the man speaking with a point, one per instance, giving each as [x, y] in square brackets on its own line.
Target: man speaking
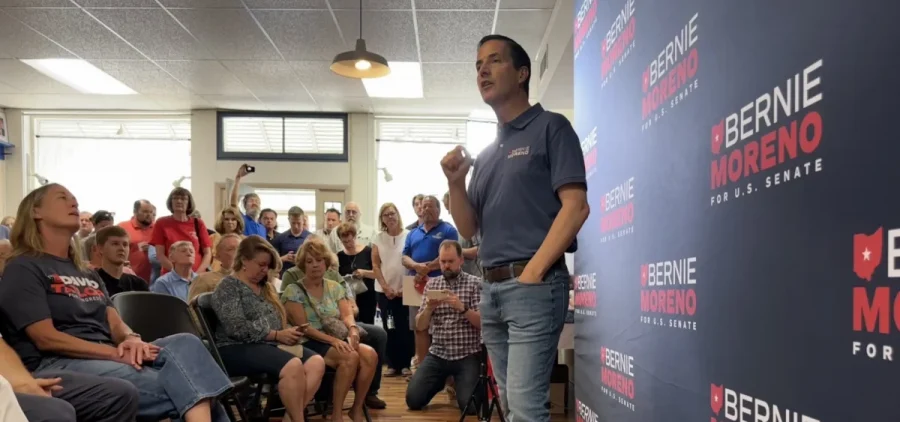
[528, 198]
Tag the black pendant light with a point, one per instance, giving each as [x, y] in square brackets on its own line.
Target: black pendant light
[360, 63]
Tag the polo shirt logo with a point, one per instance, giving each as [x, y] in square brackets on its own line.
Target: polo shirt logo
[518, 152]
[439, 235]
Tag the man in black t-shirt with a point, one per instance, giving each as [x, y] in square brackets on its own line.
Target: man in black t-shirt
[112, 243]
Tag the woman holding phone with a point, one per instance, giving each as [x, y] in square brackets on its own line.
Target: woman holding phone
[323, 304]
[253, 335]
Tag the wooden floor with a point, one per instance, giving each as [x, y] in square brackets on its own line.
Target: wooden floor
[393, 391]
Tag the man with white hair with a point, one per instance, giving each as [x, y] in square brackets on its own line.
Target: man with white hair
[364, 232]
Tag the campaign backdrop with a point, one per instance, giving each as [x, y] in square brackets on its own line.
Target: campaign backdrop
[740, 262]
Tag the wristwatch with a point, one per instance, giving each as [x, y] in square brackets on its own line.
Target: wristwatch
[465, 309]
[133, 334]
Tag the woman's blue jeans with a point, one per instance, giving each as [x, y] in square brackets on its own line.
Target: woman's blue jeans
[183, 375]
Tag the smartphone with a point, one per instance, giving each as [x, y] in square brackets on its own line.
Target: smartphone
[250, 169]
[437, 294]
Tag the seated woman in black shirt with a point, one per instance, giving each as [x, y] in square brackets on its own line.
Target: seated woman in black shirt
[56, 314]
[356, 260]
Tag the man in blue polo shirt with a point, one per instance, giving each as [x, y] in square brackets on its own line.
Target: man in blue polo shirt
[251, 204]
[528, 199]
[420, 257]
[288, 243]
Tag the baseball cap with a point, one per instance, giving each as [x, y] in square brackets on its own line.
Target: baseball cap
[101, 215]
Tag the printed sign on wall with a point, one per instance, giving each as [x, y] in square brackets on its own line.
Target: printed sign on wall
[742, 257]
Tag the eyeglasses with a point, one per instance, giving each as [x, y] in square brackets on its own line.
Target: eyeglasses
[389, 214]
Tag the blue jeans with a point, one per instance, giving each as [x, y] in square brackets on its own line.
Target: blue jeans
[183, 375]
[521, 324]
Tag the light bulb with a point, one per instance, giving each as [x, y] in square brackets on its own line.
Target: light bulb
[363, 65]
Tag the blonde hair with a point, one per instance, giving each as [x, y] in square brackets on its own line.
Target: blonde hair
[317, 249]
[26, 234]
[227, 236]
[247, 250]
[236, 213]
[381, 211]
[346, 228]
[5, 221]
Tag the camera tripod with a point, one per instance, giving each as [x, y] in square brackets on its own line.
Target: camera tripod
[486, 387]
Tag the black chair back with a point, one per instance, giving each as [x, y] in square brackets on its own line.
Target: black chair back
[154, 315]
[206, 316]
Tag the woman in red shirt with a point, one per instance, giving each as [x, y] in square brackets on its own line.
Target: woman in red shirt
[180, 226]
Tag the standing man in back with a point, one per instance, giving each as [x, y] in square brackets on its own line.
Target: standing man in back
[251, 205]
[528, 199]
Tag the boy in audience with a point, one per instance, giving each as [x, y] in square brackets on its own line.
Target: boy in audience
[225, 253]
[112, 246]
[178, 281]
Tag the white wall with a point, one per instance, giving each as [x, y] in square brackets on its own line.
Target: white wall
[355, 176]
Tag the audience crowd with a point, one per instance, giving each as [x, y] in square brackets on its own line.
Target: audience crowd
[290, 304]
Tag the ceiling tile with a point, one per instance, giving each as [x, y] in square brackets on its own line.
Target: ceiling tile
[322, 82]
[389, 33]
[281, 103]
[527, 4]
[153, 32]
[302, 35]
[234, 102]
[79, 102]
[450, 80]
[118, 3]
[7, 89]
[526, 27]
[457, 4]
[346, 104]
[142, 76]
[189, 102]
[231, 34]
[76, 31]
[29, 81]
[371, 4]
[267, 78]
[18, 41]
[287, 4]
[36, 3]
[426, 107]
[452, 36]
[203, 4]
[205, 77]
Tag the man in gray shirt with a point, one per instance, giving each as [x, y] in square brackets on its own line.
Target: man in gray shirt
[528, 198]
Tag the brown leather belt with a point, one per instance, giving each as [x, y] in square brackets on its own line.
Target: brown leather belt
[504, 272]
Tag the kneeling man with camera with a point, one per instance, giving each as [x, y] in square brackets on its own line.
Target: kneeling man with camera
[450, 314]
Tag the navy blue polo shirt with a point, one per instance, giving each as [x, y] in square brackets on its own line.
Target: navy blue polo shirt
[286, 242]
[252, 227]
[514, 183]
[424, 247]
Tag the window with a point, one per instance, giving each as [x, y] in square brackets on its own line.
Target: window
[281, 200]
[336, 205]
[110, 163]
[411, 151]
[294, 136]
[479, 134]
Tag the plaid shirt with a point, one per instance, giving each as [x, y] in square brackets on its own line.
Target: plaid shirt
[453, 337]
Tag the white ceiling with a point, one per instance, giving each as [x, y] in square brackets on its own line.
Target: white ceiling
[254, 54]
